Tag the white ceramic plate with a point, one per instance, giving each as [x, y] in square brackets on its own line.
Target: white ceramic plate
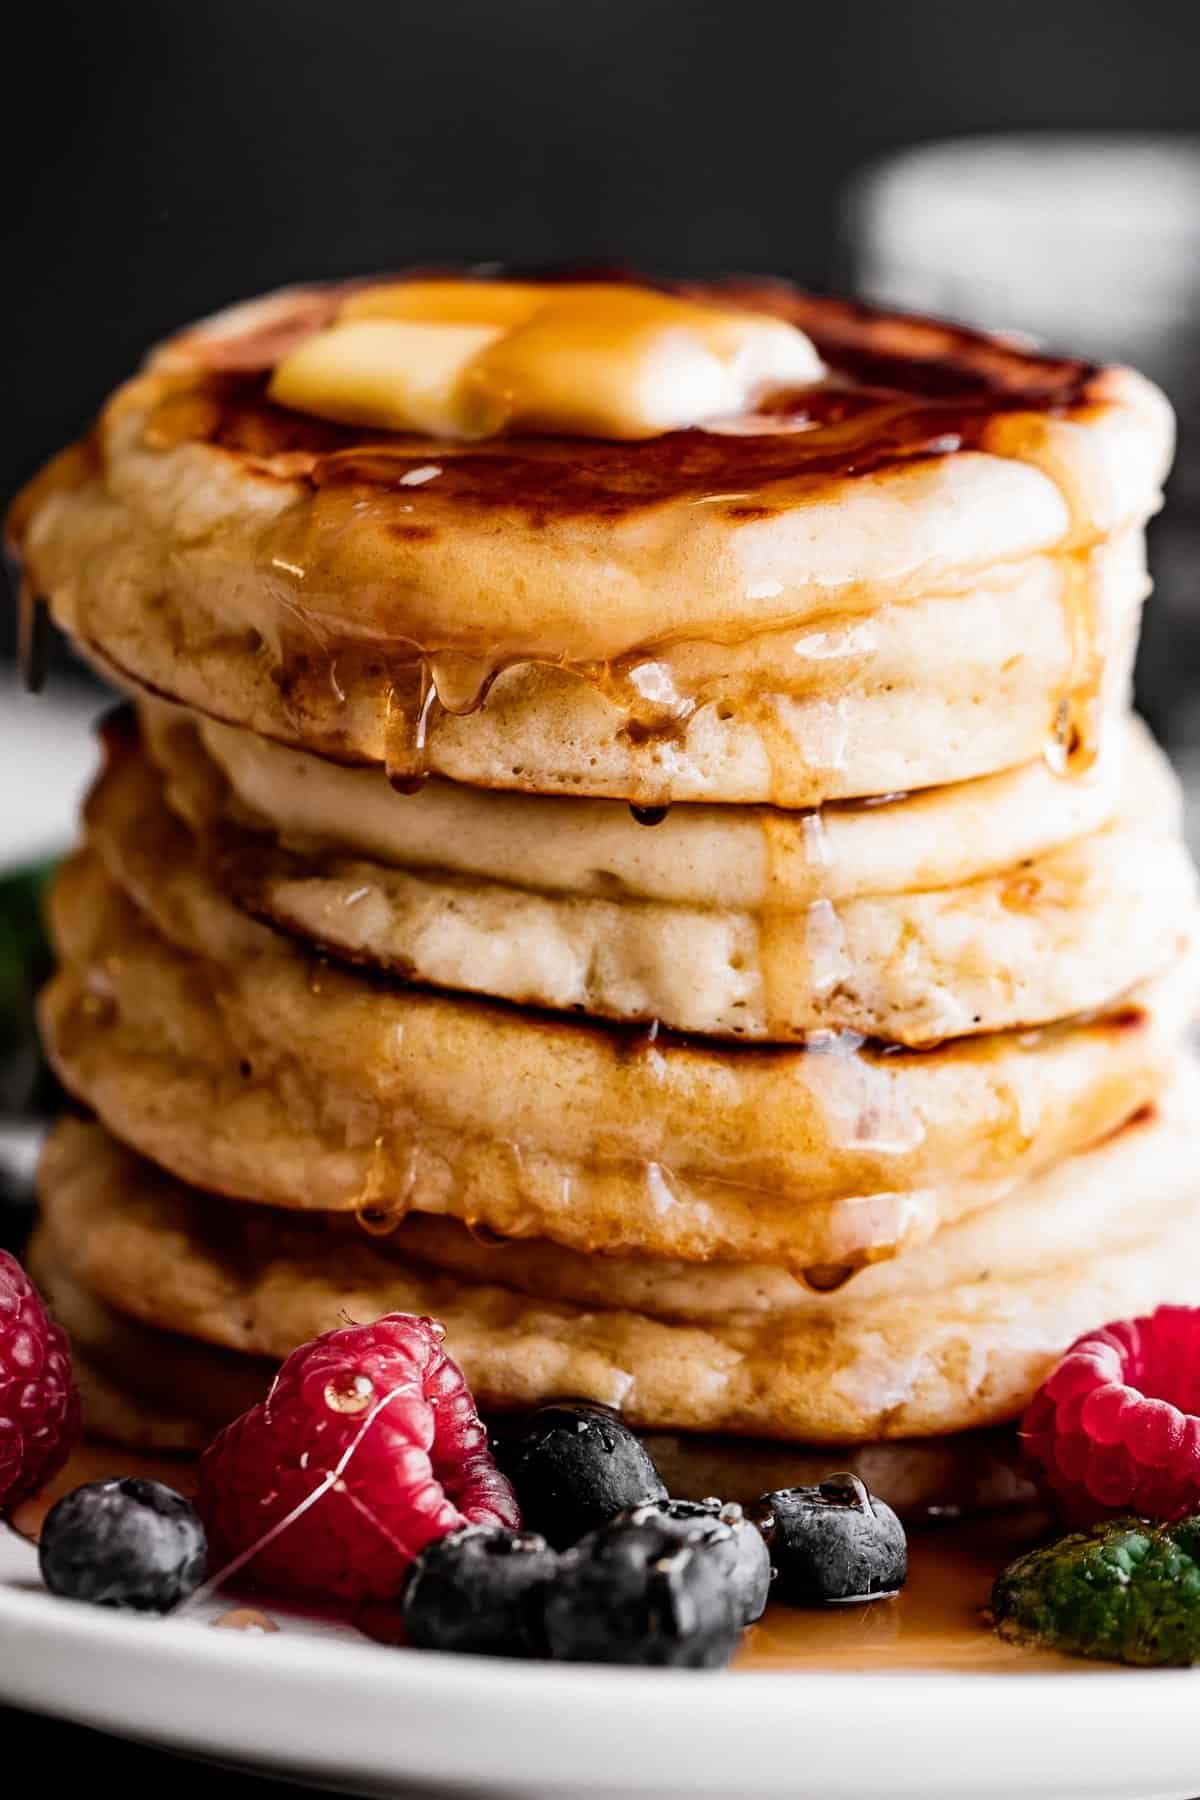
[320, 1704]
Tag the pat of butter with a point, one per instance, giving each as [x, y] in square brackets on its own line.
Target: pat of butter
[472, 359]
[383, 372]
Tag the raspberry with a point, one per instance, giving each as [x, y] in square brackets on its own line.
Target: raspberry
[367, 1447]
[39, 1402]
[1116, 1429]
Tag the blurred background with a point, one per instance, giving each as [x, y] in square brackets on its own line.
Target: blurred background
[164, 158]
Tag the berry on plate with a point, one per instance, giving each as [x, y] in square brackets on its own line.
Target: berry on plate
[132, 1544]
[1113, 1430]
[39, 1402]
[728, 1536]
[482, 1589]
[633, 1592]
[832, 1544]
[1124, 1592]
[367, 1448]
[575, 1464]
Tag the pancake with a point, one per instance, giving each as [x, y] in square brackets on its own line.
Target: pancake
[153, 1390]
[148, 1389]
[1052, 937]
[747, 857]
[927, 569]
[1041, 1221]
[233, 1059]
[1053, 1212]
[967, 686]
[852, 1370]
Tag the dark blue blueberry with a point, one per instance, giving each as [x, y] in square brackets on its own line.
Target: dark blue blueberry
[575, 1465]
[833, 1543]
[727, 1535]
[633, 1592]
[132, 1544]
[482, 1589]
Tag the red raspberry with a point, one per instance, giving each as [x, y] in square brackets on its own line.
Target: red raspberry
[1113, 1430]
[39, 1402]
[367, 1447]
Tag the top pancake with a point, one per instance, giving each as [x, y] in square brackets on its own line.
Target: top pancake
[318, 582]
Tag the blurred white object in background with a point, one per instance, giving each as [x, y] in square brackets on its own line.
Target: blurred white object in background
[48, 755]
[1092, 244]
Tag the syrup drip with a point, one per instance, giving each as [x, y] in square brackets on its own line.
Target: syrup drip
[33, 637]
[649, 815]
[379, 1209]
[419, 689]
[1074, 741]
[377, 1221]
[486, 1237]
[409, 708]
[790, 979]
[827, 1278]
[461, 683]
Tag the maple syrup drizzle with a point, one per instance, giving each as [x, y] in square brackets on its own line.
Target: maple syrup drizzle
[33, 637]
[378, 1221]
[406, 760]
[900, 390]
[1074, 741]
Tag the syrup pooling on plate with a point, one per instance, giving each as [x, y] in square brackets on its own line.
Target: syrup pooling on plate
[935, 1622]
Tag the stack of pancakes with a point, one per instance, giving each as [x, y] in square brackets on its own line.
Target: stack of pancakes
[695, 915]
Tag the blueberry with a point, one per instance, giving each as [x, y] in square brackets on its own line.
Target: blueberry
[832, 1543]
[632, 1592]
[575, 1465]
[132, 1544]
[727, 1535]
[481, 1589]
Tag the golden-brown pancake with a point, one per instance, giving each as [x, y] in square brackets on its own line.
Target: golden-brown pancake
[924, 569]
[231, 1057]
[848, 1370]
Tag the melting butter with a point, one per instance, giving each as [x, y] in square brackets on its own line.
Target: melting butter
[473, 359]
[385, 373]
